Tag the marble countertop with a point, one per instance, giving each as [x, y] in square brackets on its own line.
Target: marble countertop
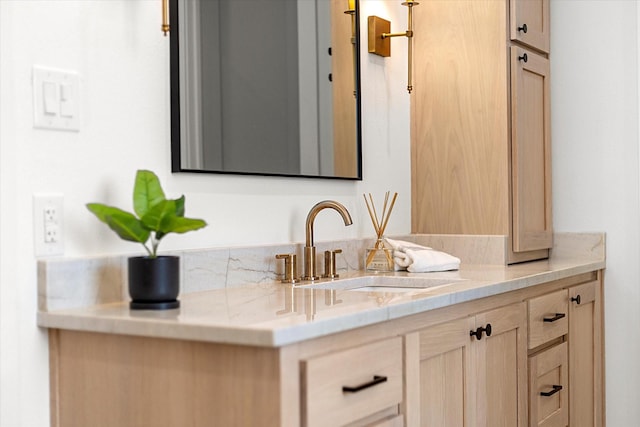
[274, 314]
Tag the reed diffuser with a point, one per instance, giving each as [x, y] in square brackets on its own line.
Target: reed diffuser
[379, 258]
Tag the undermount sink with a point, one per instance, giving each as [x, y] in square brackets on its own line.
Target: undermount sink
[385, 283]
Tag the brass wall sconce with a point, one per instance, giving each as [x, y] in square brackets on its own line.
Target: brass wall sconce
[165, 16]
[380, 35]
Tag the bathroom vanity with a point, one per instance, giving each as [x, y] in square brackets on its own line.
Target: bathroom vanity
[487, 345]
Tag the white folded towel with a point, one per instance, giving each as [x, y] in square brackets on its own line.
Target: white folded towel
[420, 259]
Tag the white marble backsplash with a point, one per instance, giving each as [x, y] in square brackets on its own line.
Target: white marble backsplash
[65, 283]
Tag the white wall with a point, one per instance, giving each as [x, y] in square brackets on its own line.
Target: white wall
[118, 49]
[123, 60]
[594, 85]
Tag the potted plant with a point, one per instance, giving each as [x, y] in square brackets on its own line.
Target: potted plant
[154, 281]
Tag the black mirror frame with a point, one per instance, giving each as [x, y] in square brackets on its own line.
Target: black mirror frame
[176, 165]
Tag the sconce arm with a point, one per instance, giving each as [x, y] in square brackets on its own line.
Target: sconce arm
[405, 34]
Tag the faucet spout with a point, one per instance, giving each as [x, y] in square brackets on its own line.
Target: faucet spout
[309, 248]
[346, 217]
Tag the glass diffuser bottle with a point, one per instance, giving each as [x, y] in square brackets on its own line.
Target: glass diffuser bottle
[379, 258]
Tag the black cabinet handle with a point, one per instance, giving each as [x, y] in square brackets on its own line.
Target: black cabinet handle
[377, 379]
[558, 316]
[556, 388]
[576, 299]
[523, 28]
[478, 332]
[524, 57]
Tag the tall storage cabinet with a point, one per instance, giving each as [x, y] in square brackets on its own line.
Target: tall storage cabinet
[480, 132]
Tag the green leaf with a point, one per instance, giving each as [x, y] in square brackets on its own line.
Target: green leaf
[158, 214]
[180, 206]
[125, 224]
[101, 210]
[182, 225]
[163, 219]
[166, 222]
[147, 192]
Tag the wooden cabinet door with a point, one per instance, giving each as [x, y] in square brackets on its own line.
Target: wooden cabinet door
[501, 360]
[471, 382]
[530, 151]
[459, 118]
[585, 356]
[530, 23]
[447, 380]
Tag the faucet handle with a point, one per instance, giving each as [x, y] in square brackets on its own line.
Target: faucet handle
[330, 264]
[290, 268]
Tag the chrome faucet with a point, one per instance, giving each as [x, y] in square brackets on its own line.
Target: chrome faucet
[309, 248]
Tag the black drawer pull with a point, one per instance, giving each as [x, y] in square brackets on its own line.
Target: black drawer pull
[576, 299]
[556, 388]
[558, 316]
[523, 28]
[377, 379]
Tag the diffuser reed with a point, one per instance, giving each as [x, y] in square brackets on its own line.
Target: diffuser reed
[379, 258]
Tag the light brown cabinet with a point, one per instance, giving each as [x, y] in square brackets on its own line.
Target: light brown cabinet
[585, 355]
[473, 364]
[529, 23]
[350, 385]
[473, 370]
[530, 151]
[548, 394]
[548, 324]
[547, 318]
[565, 362]
[480, 123]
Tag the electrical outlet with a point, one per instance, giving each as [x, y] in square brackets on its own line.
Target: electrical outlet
[48, 224]
[51, 233]
[49, 214]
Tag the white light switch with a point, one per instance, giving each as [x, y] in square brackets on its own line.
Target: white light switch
[50, 93]
[67, 100]
[55, 99]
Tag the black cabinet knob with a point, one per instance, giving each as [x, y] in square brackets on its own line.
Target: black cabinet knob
[523, 28]
[524, 57]
[576, 299]
[478, 332]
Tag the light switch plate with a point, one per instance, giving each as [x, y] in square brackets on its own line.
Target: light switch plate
[56, 100]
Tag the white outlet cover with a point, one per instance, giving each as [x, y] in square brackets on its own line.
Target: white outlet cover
[53, 204]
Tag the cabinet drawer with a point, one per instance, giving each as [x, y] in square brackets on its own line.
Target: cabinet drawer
[548, 318]
[530, 23]
[548, 381]
[343, 387]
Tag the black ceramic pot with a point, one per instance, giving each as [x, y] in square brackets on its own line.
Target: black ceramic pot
[154, 283]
